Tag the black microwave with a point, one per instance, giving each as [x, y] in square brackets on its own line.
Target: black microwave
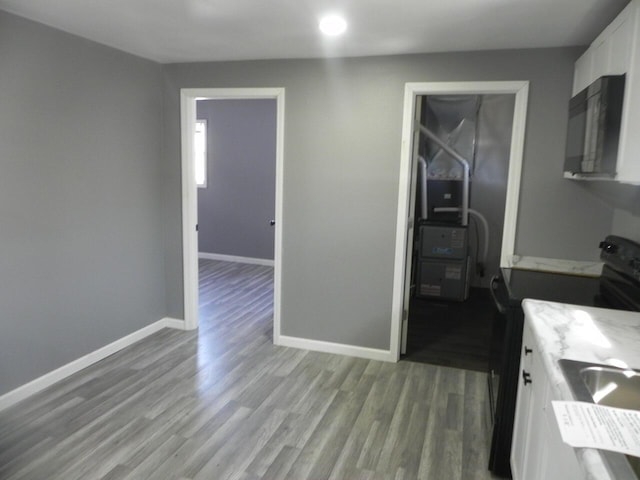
[594, 128]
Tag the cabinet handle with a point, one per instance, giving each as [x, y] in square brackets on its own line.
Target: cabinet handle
[527, 350]
[526, 377]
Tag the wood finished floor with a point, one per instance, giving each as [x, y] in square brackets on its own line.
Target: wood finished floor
[224, 403]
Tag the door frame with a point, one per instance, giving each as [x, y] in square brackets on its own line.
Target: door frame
[399, 310]
[188, 98]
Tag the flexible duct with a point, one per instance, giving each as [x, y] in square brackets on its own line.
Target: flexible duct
[465, 165]
[423, 187]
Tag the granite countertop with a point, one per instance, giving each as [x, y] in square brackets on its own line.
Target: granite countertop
[587, 334]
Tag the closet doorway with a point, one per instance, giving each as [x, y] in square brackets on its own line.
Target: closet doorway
[414, 93]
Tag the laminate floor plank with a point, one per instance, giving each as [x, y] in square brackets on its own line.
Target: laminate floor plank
[276, 451]
[242, 446]
[14, 443]
[194, 454]
[145, 462]
[476, 429]
[119, 472]
[384, 405]
[224, 403]
[101, 459]
[299, 434]
[282, 463]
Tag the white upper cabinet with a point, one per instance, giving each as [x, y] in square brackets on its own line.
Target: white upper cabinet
[629, 149]
[610, 53]
[583, 72]
[616, 51]
[618, 56]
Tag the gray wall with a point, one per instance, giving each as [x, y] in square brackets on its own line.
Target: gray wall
[82, 259]
[343, 123]
[626, 223]
[626, 202]
[235, 208]
[92, 220]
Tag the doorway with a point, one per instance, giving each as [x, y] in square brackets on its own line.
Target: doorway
[235, 172]
[189, 99]
[408, 225]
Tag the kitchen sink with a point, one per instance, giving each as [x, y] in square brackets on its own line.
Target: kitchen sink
[613, 387]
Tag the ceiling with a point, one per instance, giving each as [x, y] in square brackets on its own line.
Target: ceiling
[170, 31]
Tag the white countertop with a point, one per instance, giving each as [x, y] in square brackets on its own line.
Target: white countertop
[557, 265]
[588, 334]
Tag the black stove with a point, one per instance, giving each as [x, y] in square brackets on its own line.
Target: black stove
[554, 287]
[618, 287]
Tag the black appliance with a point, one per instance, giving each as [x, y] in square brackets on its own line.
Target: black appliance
[593, 132]
[618, 287]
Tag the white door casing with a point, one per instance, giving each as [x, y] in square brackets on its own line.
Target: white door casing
[405, 215]
[188, 98]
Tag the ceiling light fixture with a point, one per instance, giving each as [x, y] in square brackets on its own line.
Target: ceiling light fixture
[333, 25]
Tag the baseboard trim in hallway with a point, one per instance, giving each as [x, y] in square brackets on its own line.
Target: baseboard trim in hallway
[337, 348]
[34, 386]
[234, 258]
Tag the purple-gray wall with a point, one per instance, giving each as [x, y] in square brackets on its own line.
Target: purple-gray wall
[235, 208]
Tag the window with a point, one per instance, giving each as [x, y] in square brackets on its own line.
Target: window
[200, 151]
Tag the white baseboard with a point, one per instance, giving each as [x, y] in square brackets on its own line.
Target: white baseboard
[232, 258]
[174, 323]
[48, 379]
[338, 348]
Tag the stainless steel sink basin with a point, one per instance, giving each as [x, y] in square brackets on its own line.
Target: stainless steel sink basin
[613, 387]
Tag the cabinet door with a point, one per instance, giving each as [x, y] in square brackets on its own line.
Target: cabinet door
[538, 452]
[564, 463]
[601, 56]
[629, 153]
[619, 49]
[522, 449]
[583, 72]
[537, 464]
[609, 54]
[521, 427]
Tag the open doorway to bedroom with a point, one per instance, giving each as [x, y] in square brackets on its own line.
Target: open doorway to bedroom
[235, 159]
[232, 202]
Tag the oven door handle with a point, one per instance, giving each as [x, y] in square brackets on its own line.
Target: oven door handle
[492, 288]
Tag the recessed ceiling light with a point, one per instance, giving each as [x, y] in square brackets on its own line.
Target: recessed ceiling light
[333, 25]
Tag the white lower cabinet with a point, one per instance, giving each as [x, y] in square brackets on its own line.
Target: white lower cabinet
[538, 452]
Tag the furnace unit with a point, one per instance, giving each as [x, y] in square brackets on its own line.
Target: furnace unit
[442, 268]
[443, 262]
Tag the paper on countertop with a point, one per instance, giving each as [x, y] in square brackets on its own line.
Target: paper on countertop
[587, 425]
